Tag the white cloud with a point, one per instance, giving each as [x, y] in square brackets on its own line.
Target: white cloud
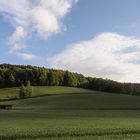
[17, 12]
[109, 55]
[43, 17]
[18, 34]
[28, 56]
[16, 39]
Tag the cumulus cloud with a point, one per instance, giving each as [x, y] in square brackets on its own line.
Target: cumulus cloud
[43, 17]
[109, 55]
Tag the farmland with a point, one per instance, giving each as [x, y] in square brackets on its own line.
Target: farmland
[70, 113]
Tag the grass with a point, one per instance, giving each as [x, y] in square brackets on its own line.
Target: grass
[83, 124]
[75, 98]
[64, 113]
[10, 93]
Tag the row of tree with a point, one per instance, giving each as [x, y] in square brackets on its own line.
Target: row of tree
[16, 75]
[112, 86]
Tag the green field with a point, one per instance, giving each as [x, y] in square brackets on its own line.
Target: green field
[64, 113]
[7, 93]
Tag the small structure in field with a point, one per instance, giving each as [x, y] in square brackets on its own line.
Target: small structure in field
[6, 107]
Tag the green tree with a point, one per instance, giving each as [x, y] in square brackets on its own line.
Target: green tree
[42, 79]
[29, 90]
[11, 80]
[22, 92]
[70, 79]
[53, 79]
[25, 92]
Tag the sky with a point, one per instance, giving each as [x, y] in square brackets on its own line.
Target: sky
[99, 38]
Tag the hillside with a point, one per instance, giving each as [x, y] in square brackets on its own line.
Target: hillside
[72, 98]
[13, 93]
[16, 75]
[66, 113]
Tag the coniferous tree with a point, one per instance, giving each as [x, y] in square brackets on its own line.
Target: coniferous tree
[29, 90]
[22, 92]
[25, 92]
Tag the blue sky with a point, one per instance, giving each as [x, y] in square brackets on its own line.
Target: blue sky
[68, 34]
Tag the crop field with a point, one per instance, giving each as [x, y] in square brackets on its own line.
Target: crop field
[69, 124]
[60, 113]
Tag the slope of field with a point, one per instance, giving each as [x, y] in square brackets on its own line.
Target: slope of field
[74, 98]
[61, 113]
[8, 93]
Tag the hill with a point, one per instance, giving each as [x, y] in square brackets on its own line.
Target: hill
[66, 113]
[13, 93]
[71, 98]
[16, 75]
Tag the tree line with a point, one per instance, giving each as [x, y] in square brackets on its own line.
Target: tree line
[17, 75]
[107, 85]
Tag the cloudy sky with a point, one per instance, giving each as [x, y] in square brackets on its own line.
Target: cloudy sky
[99, 38]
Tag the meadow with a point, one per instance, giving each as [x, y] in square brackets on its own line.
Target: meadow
[64, 113]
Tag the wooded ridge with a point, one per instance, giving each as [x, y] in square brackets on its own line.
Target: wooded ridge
[16, 75]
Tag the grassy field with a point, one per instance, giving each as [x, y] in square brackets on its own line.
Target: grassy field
[63, 113]
[8, 93]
